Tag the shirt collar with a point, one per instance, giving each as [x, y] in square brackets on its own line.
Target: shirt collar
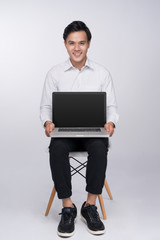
[68, 65]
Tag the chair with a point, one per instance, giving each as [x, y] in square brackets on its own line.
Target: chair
[74, 170]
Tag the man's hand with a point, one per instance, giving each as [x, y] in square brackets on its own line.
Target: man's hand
[109, 128]
[49, 126]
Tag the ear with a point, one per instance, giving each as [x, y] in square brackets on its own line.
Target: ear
[65, 43]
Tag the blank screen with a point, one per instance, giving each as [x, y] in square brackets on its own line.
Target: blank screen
[79, 109]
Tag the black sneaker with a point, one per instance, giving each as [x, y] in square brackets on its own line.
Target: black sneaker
[91, 217]
[66, 225]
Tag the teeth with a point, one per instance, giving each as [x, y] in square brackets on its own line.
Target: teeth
[77, 54]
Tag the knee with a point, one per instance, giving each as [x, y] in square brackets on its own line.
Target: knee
[58, 146]
[98, 147]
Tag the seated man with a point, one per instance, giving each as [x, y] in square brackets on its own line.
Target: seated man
[78, 74]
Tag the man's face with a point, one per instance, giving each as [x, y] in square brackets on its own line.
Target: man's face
[77, 46]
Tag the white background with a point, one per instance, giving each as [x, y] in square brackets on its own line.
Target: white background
[126, 40]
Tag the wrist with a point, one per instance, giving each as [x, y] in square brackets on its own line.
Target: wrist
[112, 124]
[46, 123]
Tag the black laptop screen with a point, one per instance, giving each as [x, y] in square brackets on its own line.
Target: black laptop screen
[79, 109]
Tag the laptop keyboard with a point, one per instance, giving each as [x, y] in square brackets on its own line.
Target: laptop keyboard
[79, 130]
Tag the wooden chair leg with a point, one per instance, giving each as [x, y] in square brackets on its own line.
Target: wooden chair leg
[50, 201]
[108, 190]
[102, 206]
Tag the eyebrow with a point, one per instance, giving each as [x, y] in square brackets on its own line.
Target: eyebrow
[83, 41]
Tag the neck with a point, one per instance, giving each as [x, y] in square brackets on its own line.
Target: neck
[79, 65]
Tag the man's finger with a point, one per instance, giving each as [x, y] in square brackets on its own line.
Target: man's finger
[108, 128]
[111, 133]
[51, 127]
[47, 131]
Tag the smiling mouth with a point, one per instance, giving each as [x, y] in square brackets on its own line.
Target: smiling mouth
[77, 54]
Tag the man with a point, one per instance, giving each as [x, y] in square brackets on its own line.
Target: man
[78, 73]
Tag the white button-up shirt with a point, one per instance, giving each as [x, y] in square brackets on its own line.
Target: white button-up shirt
[66, 78]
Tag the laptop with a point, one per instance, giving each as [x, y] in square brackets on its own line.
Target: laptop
[79, 114]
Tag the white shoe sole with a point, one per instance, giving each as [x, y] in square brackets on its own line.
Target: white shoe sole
[91, 231]
[67, 234]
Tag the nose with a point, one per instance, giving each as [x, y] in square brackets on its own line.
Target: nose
[76, 47]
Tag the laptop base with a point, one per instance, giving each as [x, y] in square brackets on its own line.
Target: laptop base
[78, 134]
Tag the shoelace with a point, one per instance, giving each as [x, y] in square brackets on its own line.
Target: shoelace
[93, 214]
[67, 216]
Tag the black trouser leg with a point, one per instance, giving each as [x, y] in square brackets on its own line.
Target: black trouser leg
[60, 168]
[97, 163]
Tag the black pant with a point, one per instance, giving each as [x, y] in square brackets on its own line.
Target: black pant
[59, 149]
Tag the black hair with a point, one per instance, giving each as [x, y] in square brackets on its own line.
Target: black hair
[76, 26]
